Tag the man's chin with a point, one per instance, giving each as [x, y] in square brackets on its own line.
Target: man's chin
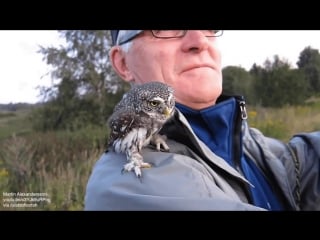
[203, 76]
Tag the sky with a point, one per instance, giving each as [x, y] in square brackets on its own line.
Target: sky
[22, 68]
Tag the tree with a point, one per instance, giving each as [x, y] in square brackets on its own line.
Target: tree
[85, 87]
[277, 84]
[236, 80]
[309, 64]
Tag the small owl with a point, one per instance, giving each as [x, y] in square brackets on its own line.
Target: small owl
[136, 121]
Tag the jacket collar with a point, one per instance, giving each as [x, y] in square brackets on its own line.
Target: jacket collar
[180, 130]
[215, 126]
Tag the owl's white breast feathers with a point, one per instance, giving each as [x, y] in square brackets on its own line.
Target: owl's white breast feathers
[136, 136]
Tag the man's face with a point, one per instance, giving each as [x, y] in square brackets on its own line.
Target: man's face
[191, 65]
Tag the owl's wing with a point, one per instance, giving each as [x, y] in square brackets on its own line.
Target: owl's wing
[121, 123]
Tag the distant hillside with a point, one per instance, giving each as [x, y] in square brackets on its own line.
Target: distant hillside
[12, 107]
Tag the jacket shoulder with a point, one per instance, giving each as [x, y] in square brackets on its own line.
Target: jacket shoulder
[176, 181]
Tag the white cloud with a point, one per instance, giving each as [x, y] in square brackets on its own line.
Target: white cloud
[22, 67]
[244, 48]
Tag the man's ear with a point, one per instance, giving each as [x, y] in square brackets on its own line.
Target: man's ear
[118, 61]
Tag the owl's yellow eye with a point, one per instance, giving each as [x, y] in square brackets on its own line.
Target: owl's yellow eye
[154, 103]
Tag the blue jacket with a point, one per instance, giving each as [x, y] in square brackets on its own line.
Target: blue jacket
[219, 127]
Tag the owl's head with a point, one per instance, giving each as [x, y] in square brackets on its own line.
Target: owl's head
[155, 99]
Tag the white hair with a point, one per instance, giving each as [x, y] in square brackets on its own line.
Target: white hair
[126, 46]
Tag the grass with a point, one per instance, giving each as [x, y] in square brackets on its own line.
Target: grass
[14, 123]
[285, 122]
[58, 164]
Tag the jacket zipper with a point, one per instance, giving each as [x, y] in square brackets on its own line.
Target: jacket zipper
[240, 116]
[237, 141]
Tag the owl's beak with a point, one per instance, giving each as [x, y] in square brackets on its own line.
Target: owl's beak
[167, 112]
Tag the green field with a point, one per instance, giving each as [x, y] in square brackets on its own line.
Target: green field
[14, 123]
[53, 164]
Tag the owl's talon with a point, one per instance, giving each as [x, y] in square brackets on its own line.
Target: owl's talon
[160, 142]
[140, 178]
[164, 150]
[145, 165]
[137, 171]
[136, 167]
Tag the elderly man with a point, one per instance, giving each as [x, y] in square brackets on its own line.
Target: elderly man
[216, 161]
